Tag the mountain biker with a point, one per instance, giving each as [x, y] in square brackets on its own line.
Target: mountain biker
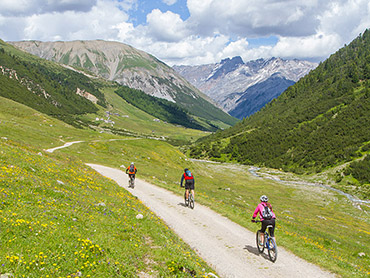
[265, 221]
[131, 171]
[189, 182]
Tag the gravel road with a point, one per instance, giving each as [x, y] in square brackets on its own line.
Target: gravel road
[227, 247]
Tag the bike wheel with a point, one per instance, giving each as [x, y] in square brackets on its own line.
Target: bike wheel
[186, 200]
[258, 241]
[272, 249]
[133, 183]
[191, 201]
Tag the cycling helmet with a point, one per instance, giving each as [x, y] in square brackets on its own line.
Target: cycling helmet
[186, 169]
[264, 198]
[132, 163]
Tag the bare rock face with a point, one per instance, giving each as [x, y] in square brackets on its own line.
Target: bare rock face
[230, 82]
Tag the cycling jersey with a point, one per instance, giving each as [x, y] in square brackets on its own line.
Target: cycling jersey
[131, 172]
[259, 210]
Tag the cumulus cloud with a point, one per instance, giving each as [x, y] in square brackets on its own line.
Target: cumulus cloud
[214, 29]
[97, 23]
[166, 26]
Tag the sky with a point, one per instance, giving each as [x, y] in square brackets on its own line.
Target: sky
[194, 32]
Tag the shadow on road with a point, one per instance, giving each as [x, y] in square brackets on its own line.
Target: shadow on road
[254, 251]
[181, 204]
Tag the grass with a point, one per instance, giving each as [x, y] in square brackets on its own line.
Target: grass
[61, 219]
[316, 224]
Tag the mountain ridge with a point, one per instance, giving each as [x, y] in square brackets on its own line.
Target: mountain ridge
[226, 82]
[131, 67]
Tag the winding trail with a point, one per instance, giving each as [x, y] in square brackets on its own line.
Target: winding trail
[224, 245]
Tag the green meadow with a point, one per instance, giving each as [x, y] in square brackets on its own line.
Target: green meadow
[318, 225]
[59, 218]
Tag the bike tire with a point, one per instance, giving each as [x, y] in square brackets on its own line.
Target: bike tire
[191, 201]
[259, 247]
[272, 249]
[186, 200]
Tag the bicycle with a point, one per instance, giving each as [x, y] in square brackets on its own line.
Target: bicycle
[269, 243]
[190, 201]
[131, 181]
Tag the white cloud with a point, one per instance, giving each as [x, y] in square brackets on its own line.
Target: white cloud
[97, 23]
[216, 29]
[166, 26]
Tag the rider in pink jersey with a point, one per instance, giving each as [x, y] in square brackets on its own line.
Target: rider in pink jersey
[265, 222]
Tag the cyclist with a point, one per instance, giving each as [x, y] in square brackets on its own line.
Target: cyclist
[267, 216]
[189, 182]
[131, 171]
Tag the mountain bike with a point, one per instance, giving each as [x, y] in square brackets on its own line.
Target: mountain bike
[131, 181]
[190, 201]
[269, 243]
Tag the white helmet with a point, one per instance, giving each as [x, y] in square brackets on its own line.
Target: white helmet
[132, 163]
[264, 198]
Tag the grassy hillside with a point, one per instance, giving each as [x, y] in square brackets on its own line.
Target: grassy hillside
[41, 186]
[308, 216]
[61, 219]
[44, 86]
[316, 124]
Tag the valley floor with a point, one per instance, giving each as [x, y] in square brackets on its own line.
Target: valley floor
[227, 247]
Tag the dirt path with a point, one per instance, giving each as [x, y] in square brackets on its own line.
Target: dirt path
[225, 246]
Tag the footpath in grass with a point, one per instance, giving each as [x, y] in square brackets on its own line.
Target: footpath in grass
[59, 218]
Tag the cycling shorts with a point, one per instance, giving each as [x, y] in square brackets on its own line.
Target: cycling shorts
[265, 223]
[189, 184]
[131, 176]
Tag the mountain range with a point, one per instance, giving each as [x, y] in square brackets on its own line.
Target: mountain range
[130, 67]
[241, 88]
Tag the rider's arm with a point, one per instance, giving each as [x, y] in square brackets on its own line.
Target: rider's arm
[126, 170]
[256, 211]
[182, 179]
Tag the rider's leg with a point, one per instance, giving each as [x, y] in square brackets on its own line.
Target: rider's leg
[262, 239]
[192, 192]
[187, 194]
[263, 229]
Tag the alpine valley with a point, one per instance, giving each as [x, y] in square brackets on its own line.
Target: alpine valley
[95, 102]
[244, 88]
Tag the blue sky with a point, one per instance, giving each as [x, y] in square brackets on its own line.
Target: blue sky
[192, 32]
[138, 16]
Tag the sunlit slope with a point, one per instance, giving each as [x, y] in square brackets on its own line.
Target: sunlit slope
[59, 218]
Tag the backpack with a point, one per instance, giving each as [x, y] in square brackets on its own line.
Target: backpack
[132, 168]
[188, 173]
[266, 213]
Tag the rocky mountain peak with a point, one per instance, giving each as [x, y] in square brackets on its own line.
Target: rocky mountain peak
[226, 82]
